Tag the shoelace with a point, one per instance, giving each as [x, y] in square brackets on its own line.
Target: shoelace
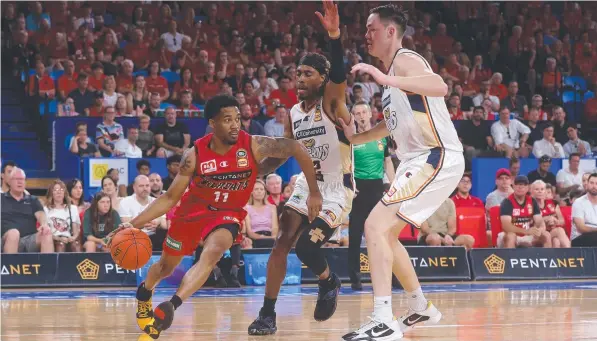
[369, 325]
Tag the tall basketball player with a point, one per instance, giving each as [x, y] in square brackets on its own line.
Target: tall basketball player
[314, 121]
[431, 166]
[219, 172]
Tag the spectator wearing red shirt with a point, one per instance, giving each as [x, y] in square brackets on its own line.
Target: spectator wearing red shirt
[273, 184]
[162, 55]
[186, 83]
[137, 51]
[58, 48]
[223, 65]
[258, 52]
[497, 88]
[552, 78]
[286, 53]
[454, 107]
[479, 72]
[124, 80]
[284, 94]
[200, 67]
[251, 97]
[68, 81]
[186, 56]
[156, 83]
[96, 80]
[441, 42]
[591, 110]
[107, 42]
[40, 84]
[214, 46]
[463, 198]
[186, 107]
[209, 85]
[586, 61]
[420, 39]
[83, 62]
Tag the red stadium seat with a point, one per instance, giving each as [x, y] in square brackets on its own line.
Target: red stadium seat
[409, 235]
[567, 213]
[496, 224]
[471, 221]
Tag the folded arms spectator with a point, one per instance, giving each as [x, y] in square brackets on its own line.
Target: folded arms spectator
[172, 137]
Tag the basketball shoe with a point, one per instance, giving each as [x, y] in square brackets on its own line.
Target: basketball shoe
[327, 298]
[144, 307]
[264, 324]
[163, 317]
[413, 318]
[376, 330]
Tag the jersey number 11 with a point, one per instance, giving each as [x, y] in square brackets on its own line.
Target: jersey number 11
[223, 195]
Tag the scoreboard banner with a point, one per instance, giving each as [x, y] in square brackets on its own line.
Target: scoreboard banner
[533, 263]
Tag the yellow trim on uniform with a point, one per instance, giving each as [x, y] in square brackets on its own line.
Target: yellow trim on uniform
[305, 213]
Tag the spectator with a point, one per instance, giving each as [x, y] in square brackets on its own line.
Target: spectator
[68, 81]
[584, 216]
[247, 123]
[110, 94]
[172, 38]
[275, 126]
[155, 106]
[510, 136]
[585, 181]
[115, 175]
[463, 198]
[261, 222]
[121, 107]
[20, 213]
[82, 145]
[514, 166]
[187, 108]
[172, 137]
[67, 109]
[7, 167]
[273, 184]
[516, 103]
[96, 80]
[537, 103]
[110, 187]
[569, 178]
[40, 85]
[156, 185]
[536, 127]
[521, 219]
[454, 108]
[138, 99]
[548, 145]
[209, 84]
[97, 109]
[83, 97]
[552, 216]
[575, 145]
[36, 16]
[503, 189]
[99, 220]
[186, 83]
[475, 135]
[440, 229]
[489, 112]
[137, 50]
[237, 80]
[143, 168]
[285, 94]
[124, 80]
[542, 172]
[133, 205]
[173, 166]
[63, 218]
[128, 147]
[484, 94]
[77, 197]
[155, 83]
[559, 124]
[146, 141]
[108, 133]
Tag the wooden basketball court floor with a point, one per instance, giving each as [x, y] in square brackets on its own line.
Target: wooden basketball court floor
[550, 311]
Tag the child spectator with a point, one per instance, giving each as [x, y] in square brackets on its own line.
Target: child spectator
[99, 220]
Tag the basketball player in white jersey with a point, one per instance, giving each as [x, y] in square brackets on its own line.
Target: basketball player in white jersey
[315, 122]
[431, 166]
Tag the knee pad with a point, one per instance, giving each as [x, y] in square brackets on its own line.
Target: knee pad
[308, 246]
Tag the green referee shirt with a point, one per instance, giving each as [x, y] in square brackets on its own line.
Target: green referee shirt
[369, 159]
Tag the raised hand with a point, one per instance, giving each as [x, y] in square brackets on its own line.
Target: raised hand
[331, 19]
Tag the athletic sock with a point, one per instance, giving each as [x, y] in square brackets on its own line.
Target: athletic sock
[416, 300]
[234, 271]
[143, 294]
[269, 306]
[382, 308]
[328, 283]
[176, 301]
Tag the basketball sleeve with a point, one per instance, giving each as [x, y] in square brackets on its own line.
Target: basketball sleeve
[506, 208]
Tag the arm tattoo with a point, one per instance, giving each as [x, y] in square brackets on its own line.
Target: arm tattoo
[275, 147]
[186, 164]
[270, 164]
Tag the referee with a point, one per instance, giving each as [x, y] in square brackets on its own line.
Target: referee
[370, 159]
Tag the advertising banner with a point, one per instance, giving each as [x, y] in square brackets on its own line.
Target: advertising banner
[28, 269]
[99, 167]
[92, 269]
[533, 263]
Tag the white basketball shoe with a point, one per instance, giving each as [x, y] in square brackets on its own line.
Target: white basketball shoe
[375, 330]
[429, 316]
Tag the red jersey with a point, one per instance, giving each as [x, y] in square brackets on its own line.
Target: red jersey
[549, 209]
[221, 182]
[470, 201]
[522, 215]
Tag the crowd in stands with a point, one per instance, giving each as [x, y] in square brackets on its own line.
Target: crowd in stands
[510, 69]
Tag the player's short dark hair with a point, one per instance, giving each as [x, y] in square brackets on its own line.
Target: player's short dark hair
[142, 163]
[172, 159]
[6, 164]
[393, 13]
[217, 103]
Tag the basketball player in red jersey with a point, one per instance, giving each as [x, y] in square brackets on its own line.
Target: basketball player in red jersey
[220, 171]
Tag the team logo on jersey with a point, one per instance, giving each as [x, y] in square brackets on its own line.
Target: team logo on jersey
[208, 166]
[408, 175]
[391, 192]
[530, 208]
[296, 198]
[379, 145]
[330, 215]
[241, 158]
[309, 143]
[317, 116]
[227, 217]
[224, 164]
[297, 124]
[303, 134]
[516, 212]
[320, 153]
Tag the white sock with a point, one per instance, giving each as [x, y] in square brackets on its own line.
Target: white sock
[416, 300]
[382, 309]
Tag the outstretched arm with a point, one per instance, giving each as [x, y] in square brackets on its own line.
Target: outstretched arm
[376, 133]
[270, 164]
[164, 203]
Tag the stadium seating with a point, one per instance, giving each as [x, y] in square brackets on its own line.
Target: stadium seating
[472, 221]
[496, 224]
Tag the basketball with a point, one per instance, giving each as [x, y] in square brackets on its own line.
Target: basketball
[131, 248]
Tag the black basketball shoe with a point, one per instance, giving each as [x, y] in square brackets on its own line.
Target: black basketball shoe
[163, 317]
[327, 298]
[263, 325]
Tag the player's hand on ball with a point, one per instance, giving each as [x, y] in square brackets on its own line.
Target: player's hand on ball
[379, 76]
[111, 235]
[349, 129]
[314, 203]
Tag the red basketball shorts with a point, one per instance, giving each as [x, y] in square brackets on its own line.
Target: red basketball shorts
[185, 234]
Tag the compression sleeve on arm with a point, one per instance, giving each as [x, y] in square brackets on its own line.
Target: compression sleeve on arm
[337, 71]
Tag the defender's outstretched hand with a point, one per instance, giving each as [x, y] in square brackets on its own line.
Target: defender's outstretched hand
[331, 19]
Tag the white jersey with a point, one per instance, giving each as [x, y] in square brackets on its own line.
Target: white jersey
[417, 123]
[316, 131]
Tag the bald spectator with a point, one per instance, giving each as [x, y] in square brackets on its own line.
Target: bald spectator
[133, 205]
[510, 135]
[156, 185]
[128, 147]
[20, 213]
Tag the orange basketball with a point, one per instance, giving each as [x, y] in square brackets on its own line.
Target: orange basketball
[131, 248]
